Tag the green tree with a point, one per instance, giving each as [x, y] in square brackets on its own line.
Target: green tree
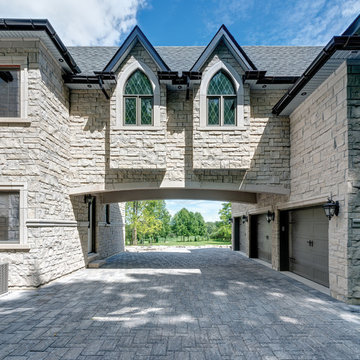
[146, 219]
[180, 223]
[200, 227]
[223, 226]
[133, 213]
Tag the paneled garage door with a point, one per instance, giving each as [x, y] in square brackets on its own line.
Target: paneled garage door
[308, 245]
[263, 238]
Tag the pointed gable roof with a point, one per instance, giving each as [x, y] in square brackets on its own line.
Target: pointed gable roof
[135, 36]
[225, 35]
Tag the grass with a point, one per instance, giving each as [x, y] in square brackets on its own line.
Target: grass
[180, 242]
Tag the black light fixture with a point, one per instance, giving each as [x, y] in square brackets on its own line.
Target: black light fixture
[270, 216]
[331, 208]
[244, 219]
[231, 220]
[88, 198]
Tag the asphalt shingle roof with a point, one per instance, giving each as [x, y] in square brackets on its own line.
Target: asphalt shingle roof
[276, 60]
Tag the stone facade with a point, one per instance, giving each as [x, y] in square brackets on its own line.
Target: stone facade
[72, 142]
[37, 155]
[324, 148]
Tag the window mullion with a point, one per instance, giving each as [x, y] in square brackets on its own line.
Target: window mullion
[138, 112]
[221, 107]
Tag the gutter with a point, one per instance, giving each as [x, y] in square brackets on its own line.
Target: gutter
[41, 25]
[179, 78]
[260, 78]
[336, 43]
[97, 79]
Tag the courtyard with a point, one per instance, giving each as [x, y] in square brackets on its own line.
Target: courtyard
[177, 303]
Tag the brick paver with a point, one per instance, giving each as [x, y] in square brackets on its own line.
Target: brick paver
[177, 304]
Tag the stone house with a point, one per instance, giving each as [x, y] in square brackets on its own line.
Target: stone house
[85, 129]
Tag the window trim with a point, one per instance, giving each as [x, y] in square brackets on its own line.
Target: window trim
[22, 62]
[120, 95]
[138, 109]
[22, 243]
[221, 110]
[239, 95]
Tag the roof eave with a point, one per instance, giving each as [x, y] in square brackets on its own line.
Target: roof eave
[335, 44]
[41, 25]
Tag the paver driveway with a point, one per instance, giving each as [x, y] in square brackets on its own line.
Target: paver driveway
[179, 304]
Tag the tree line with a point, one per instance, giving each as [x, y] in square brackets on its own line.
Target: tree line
[150, 220]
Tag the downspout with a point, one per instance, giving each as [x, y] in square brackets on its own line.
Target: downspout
[101, 84]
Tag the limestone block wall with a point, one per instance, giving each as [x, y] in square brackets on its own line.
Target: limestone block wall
[353, 181]
[111, 237]
[228, 148]
[138, 149]
[318, 167]
[37, 156]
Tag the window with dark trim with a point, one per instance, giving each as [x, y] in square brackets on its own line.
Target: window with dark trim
[9, 217]
[10, 102]
[107, 213]
[138, 100]
[221, 101]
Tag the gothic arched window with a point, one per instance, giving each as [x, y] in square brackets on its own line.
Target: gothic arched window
[138, 100]
[221, 101]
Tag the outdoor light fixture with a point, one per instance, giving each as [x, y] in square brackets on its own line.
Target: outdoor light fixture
[230, 220]
[244, 219]
[88, 198]
[270, 216]
[331, 208]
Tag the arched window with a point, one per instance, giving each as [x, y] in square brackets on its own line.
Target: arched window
[221, 101]
[138, 100]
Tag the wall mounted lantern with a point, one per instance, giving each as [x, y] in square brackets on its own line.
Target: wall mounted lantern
[231, 220]
[244, 219]
[331, 208]
[270, 216]
[88, 198]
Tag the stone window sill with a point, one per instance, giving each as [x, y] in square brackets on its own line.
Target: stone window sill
[139, 128]
[5, 120]
[220, 128]
[12, 247]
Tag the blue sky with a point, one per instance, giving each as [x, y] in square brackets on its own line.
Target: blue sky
[191, 22]
[186, 22]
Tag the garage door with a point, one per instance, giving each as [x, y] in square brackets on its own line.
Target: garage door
[243, 246]
[308, 246]
[263, 238]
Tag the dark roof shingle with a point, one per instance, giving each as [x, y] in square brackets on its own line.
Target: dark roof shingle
[276, 60]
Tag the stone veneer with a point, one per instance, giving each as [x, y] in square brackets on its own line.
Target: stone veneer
[324, 151]
[37, 156]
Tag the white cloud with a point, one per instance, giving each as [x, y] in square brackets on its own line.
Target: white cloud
[320, 20]
[80, 22]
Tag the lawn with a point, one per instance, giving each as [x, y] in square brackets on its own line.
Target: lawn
[178, 241]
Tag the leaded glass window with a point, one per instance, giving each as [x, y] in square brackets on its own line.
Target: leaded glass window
[221, 98]
[138, 100]
[9, 216]
[9, 91]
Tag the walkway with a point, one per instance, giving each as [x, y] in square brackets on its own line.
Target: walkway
[177, 304]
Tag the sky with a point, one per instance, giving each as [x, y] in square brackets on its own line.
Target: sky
[190, 22]
[208, 209]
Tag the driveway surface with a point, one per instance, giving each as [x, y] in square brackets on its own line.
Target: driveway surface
[177, 304]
